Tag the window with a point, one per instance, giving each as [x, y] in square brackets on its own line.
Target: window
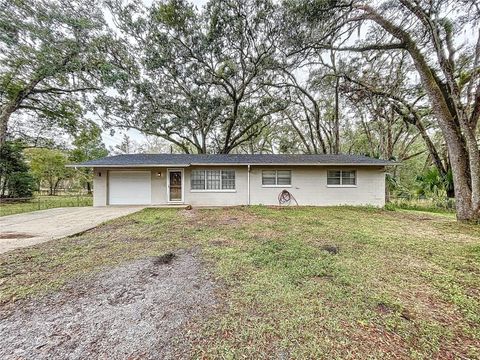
[212, 180]
[334, 178]
[284, 177]
[228, 179]
[198, 180]
[341, 177]
[269, 177]
[276, 177]
[348, 177]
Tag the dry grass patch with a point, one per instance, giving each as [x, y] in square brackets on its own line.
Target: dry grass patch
[401, 284]
[297, 282]
[46, 267]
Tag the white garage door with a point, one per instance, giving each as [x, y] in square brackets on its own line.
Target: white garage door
[129, 188]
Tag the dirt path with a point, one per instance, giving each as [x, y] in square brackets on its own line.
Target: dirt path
[133, 311]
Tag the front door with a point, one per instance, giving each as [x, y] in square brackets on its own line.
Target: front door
[175, 185]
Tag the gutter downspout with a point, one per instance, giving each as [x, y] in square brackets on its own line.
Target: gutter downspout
[248, 184]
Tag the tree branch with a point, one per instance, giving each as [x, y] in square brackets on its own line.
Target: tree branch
[59, 90]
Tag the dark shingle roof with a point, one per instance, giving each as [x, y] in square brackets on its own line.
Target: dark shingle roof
[232, 159]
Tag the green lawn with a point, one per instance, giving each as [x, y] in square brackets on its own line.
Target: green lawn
[402, 285]
[45, 202]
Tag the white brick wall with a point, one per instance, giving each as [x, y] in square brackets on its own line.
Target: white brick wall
[309, 186]
[222, 198]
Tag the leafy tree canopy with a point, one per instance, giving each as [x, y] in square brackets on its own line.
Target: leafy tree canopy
[48, 166]
[52, 54]
[201, 72]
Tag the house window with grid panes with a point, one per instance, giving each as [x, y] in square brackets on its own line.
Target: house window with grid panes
[212, 180]
[342, 177]
[276, 177]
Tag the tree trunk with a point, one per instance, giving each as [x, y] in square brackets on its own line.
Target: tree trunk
[336, 128]
[4, 186]
[467, 202]
[473, 154]
[12, 106]
[56, 186]
[5, 114]
[462, 148]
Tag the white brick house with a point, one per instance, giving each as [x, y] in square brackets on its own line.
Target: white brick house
[224, 180]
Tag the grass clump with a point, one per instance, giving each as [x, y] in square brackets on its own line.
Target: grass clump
[441, 205]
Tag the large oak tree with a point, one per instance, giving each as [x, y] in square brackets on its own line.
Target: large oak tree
[428, 32]
[200, 72]
[53, 53]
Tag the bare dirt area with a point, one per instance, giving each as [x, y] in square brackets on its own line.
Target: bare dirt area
[139, 310]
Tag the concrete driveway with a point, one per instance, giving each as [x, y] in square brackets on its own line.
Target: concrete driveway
[22, 230]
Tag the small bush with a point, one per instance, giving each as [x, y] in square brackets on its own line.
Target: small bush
[21, 185]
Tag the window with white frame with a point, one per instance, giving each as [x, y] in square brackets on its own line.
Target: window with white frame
[212, 180]
[276, 177]
[342, 177]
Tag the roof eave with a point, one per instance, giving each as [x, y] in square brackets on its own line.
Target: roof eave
[224, 164]
[291, 164]
[124, 165]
